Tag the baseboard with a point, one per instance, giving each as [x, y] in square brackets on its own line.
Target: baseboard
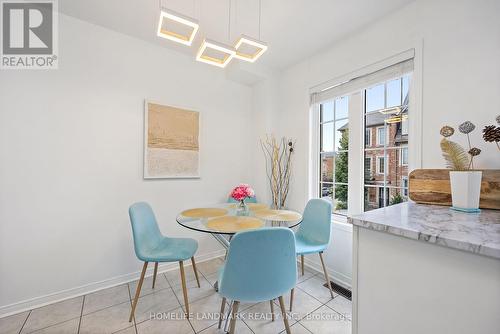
[40, 301]
[334, 275]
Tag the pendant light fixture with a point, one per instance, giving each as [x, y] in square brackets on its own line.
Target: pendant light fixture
[215, 53]
[176, 27]
[249, 49]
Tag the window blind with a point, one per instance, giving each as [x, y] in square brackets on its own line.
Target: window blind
[362, 81]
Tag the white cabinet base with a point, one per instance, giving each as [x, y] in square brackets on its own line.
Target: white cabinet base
[407, 286]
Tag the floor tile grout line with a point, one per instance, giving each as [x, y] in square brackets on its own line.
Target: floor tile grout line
[24, 323]
[53, 325]
[102, 309]
[130, 301]
[334, 310]
[181, 307]
[298, 323]
[298, 287]
[81, 315]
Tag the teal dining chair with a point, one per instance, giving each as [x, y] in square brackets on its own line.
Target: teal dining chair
[260, 267]
[313, 235]
[151, 246]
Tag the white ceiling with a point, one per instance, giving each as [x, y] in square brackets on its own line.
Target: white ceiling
[293, 29]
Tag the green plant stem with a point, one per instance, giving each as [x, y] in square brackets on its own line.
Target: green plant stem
[471, 157]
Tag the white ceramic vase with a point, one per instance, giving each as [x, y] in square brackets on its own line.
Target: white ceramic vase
[465, 189]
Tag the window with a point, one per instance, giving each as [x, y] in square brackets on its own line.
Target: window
[368, 137]
[404, 126]
[380, 165]
[381, 98]
[404, 183]
[386, 111]
[381, 136]
[368, 168]
[404, 156]
[334, 138]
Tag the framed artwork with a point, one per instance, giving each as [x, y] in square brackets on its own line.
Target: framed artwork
[171, 142]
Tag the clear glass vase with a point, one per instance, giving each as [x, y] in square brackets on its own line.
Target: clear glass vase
[242, 209]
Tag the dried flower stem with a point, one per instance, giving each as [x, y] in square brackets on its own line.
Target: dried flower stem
[278, 167]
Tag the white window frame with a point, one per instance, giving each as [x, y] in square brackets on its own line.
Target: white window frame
[337, 86]
[378, 165]
[318, 154]
[379, 137]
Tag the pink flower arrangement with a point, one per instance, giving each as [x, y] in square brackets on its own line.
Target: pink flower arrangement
[241, 192]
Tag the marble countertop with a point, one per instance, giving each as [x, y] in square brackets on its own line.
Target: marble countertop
[476, 233]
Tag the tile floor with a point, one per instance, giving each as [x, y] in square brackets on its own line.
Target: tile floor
[107, 311]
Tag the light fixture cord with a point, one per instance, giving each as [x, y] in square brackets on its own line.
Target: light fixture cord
[229, 24]
[260, 13]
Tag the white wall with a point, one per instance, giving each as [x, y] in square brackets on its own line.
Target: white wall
[71, 151]
[458, 48]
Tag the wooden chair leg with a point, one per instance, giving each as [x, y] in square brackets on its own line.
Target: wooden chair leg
[291, 299]
[272, 309]
[184, 288]
[326, 274]
[302, 264]
[195, 271]
[234, 315]
[222, 307]
[138, 291]
[283, 313]
[154, 274]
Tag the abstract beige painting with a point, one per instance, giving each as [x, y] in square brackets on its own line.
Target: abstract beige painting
[171, 143]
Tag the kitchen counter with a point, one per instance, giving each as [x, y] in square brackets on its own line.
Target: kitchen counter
[425, 269]
[477, 233]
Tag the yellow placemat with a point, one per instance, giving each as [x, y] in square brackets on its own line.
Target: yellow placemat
[278, 215]
[252, 206]
[204, 212]
[234, 223]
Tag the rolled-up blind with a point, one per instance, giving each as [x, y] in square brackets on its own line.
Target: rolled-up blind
[362, 81]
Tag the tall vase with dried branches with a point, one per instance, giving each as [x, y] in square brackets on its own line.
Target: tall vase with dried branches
[278, 154]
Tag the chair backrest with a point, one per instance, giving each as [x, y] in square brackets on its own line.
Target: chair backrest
[260, 265]
[145, 230]
[247, 200]
[316, 221]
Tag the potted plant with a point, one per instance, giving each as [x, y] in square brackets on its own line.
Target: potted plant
[465, 181]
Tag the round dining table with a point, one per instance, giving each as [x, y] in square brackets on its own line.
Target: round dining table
[222, 221]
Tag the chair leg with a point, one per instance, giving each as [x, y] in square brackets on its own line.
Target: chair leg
[195, 271]
[138, 291]
[184, 288]
[291, 299]
[222, 307]
[302, 264]
[272, 309]
[283, 313]
[326, 274]
[154, 274]
[234, 315]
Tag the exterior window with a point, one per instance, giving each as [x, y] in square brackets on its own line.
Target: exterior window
[368, 168]
[368, 137]
[404, 183]
[404, 156]
[386, 112]
[404, 127]
[381, 136]
[380, 165]
[334, 145]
